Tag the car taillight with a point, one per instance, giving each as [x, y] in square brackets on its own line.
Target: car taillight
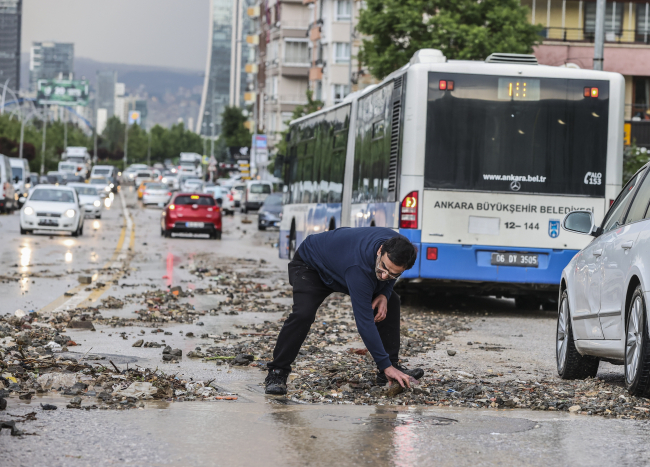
[230, 198]
[169, 193]
[432, 253]
[408, 216]
[145, 193]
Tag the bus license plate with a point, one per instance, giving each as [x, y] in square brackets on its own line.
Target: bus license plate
[515, 259]
[194, 225]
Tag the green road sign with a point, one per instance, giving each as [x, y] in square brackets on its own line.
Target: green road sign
[62, 92]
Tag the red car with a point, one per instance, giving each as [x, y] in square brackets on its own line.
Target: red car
[191, 213]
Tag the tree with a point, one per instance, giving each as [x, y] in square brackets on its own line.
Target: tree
[233, 130]
[461, 29]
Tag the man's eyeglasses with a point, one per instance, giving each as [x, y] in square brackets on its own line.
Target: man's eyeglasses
[380, 268]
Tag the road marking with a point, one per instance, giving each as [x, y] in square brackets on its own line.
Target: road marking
[75, 296]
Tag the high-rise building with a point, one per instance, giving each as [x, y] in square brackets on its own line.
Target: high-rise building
[283, 63]
[225, 83]
[50, 60]
[10, 24]
[105, 93]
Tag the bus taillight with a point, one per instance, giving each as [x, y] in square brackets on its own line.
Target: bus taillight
[408, 217]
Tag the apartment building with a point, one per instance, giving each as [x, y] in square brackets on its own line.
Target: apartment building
[284, 62]
[568, 39]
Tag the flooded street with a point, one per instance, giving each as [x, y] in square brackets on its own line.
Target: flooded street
[490, 395]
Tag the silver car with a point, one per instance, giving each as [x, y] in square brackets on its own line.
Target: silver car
[603, 313]
[89, 198]
[156, 193]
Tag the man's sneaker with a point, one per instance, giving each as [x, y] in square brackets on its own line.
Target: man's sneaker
[416, 373]
[276, 382]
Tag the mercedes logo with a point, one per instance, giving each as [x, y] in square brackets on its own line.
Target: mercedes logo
[515, 186]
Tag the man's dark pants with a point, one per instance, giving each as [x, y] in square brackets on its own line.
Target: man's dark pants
[309, 292]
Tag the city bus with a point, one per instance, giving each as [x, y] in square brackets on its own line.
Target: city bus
[475, 162]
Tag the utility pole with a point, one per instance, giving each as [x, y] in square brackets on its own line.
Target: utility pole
[65, 128]
[149, 150]
[4, 93]
[126, 141]
[44, 137]
[95, 144]
[599, 40]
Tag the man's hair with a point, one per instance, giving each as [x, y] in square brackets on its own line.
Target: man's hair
[400, 251]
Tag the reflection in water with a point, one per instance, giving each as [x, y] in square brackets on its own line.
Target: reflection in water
[170, 268]
[68, 242]
[108, 202]
[68, 257]
[25, 256]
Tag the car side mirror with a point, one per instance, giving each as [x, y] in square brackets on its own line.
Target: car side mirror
[28, 180]
[16, 179]
[22, 200]
[581, 222]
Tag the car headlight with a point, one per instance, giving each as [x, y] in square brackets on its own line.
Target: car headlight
[107, 188]
[112, 186]
[28, 211]
[97, 203]
[70, 213]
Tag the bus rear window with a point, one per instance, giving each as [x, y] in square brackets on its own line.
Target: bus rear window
[487, 135]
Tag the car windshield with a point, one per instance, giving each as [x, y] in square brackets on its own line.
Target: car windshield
[155, 186]
[98, 181]
[194, 199]
[273, 200]
[54, 178]
[102, 171]
[17, 172]
[240, 188]
[143, 175]
[260, 188]
[193, 181]
[50, 194]
[86, 190]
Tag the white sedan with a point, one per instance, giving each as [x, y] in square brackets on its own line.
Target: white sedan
[156, 193]
[89, 198]
[53, 208]
[602, 307]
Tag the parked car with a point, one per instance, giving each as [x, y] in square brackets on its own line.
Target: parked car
[156, 193]
[20, 176]
[270, 214]
[53, 208]
[602, 306]
[89, 198]
[8, 201]
[102, 184]
[193, 213]
[254, 195]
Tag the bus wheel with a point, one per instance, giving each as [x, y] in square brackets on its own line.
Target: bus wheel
[292, 243]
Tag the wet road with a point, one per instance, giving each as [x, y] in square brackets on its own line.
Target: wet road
[125, 252]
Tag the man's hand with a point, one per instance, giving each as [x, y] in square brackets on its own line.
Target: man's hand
[381, 303]
[393, 374]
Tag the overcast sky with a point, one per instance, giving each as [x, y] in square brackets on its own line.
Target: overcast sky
[170, 33]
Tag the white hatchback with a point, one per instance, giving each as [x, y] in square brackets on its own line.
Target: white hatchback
[51, 207]
[602, 306]
[89, 198]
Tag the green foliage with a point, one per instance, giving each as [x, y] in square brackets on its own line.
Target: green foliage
[634, 158]
[33, 139]
[233, 131]
[166, 143]
[461, 29]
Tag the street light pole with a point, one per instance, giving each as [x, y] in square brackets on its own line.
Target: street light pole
[65, 128]
[126, 141]
[149, 150]
[4, 93]
[599, 39]
[44, 137]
